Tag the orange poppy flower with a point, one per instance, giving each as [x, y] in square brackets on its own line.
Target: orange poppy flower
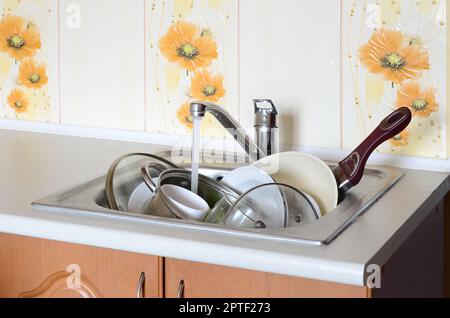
[18, 101]
[389, 54]
[421, 102]
[32, 75]
[17, 38]
[183, 44]
[207, 87]
[401, 140]
[184, 115]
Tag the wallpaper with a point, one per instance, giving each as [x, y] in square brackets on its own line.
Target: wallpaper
[136, 65]
[394, 56]
[193, 55]
[28, 48]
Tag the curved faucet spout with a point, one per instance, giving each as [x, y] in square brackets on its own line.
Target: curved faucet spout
[199, 109]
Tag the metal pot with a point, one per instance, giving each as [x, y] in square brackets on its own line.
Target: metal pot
[210, 190]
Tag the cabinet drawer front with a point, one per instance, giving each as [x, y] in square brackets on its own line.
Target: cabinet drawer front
[196, 280]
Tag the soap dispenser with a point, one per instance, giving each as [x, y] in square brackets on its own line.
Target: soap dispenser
[266, 126]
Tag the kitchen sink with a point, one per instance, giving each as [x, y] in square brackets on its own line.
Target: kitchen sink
[90, 199]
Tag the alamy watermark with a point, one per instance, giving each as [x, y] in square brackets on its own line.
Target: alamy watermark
[74, 279]
[373, 280]
[73, 16]
[374, 20]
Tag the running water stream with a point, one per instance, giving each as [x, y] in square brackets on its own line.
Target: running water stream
[196, 143]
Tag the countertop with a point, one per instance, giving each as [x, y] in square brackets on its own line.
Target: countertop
[33, 166]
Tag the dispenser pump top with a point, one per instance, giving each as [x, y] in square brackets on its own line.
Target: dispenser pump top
[266, 113]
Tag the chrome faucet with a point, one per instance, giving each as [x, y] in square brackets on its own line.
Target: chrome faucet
[253, 150]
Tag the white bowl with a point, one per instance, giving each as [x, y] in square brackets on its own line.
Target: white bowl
[140, 199]
[187, 204]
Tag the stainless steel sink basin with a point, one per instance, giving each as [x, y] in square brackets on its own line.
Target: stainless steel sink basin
[90, 199]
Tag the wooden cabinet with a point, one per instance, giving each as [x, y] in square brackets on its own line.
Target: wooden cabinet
[28, 263]
[31, 267]
[415, 270]
[210, 281]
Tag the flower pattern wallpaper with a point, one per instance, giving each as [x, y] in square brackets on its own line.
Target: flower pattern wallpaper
[394, 55]
[27, 47]
[192, 55]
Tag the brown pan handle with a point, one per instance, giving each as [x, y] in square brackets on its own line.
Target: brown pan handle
[353, 166]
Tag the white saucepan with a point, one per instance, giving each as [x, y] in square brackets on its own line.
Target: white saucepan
[313, 176]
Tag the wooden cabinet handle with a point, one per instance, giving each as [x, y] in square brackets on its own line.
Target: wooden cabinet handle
[140, 286]
[180, 293]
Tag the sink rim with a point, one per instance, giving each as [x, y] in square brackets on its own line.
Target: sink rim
[82, 200]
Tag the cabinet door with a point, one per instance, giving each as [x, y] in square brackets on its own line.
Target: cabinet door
[416, 270]
[26, 264]
[196, 280]
[63, 285]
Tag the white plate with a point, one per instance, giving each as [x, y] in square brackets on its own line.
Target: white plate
[246, 178]
[306, 173]
[140, 199]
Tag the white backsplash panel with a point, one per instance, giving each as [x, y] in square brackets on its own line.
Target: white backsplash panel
[102, 63]
[290, 52]
[28, 60]
[192, 54]
[334, 68]
[394, 55]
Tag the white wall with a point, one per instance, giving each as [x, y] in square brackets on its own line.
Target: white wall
[286, 50]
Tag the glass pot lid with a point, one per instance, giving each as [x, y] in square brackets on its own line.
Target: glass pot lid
[124, 176]
[272, 206]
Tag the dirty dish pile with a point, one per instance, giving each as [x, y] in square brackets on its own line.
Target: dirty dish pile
[262, 202]
[280, 191]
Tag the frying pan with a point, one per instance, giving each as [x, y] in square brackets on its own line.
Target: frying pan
[328, 186]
